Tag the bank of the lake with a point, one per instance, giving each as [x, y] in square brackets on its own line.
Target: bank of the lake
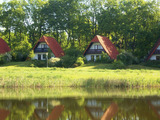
[66, 92]
[19, 74]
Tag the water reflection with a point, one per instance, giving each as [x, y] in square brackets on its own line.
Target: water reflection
[81, 109]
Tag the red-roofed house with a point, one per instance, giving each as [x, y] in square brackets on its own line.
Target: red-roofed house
[4, 47]
[155, 52]
[42, 46]
[97, 45]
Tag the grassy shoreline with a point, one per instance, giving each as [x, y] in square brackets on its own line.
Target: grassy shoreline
[19, 74]
[66, 92]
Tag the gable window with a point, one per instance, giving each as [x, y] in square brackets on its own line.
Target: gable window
[100, 47]
[44, 46]
[92, 57]
[95, 46]
[39, 56]
[157, 57]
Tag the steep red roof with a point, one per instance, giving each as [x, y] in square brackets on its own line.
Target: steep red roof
[153, 49]
[53, 45]
[106, 44]
[3, 47]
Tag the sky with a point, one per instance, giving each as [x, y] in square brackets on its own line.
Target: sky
[1, 1]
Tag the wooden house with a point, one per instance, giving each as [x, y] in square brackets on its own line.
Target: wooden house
[43, 45]
[4, 48]
[155, 52]
[98, 45]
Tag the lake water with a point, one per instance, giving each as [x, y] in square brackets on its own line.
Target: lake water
[80, 107]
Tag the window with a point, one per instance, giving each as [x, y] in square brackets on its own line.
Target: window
[95, 46]
[157, 57]
[97, 57]
[92, 57]
[100, 47]
[44, 46]
[44, 56]
[39, 56]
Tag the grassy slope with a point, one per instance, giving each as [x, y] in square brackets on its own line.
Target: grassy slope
[20, 74]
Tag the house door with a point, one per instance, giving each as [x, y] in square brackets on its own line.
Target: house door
[39, 56]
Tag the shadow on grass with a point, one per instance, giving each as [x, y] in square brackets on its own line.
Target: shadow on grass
[111, 67]
[18, 64]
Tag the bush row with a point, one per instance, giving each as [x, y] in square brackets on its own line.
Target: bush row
[5, 58]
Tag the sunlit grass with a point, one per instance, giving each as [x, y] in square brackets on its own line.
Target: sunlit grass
[19, 74]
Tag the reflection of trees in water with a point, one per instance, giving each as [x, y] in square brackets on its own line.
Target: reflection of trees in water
[18, 110]
[135, 109]
[75, 108]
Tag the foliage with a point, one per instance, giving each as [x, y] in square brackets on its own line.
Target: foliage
[4, 58]
[79, 62]
[68, 61]
[40, 63]
[127, 58]
[130, 24]
[117, 64]
[21, 51]
[54, 62]
[152, 63]
[31, 54]
[72, 51]
[104, 58]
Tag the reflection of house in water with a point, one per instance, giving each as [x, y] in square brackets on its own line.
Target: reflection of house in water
[42, 111]
[4, 114]
[155, 105]
[96, 112]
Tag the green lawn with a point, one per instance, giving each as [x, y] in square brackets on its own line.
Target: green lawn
[19, 74]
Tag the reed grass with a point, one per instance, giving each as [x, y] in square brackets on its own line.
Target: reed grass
[19, 74]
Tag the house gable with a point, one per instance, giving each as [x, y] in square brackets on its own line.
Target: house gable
[106, 44]
[4, 47]
[50, 43]
[155, 52]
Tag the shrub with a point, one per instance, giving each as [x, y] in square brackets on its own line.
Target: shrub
[152, 63]
[31, 54]
[104, 58]
[74, 52]
[79, 61]
[127, 58]
[53, 61]
[118, 65]
[68, 61]
[40, 63]
[21, 50]
[5, 58]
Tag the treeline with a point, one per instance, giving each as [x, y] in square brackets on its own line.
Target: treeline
[132, 25]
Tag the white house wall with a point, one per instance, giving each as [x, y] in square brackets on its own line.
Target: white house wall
[158, 47]
[88, 57]
[36, 55]
[153, 57]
